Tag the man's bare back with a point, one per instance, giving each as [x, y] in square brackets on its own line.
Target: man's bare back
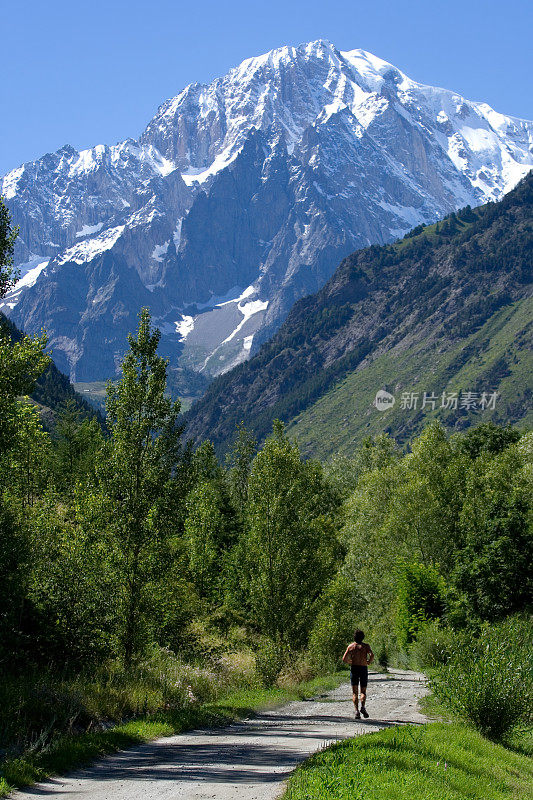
[358, 655]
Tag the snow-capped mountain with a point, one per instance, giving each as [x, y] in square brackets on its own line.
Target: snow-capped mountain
[240, 197]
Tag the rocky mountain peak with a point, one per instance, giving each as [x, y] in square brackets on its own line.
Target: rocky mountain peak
[239, 198]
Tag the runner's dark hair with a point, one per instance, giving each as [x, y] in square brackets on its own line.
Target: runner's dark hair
[359, 636]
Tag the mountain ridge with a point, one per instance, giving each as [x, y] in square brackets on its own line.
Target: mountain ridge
[239, 198]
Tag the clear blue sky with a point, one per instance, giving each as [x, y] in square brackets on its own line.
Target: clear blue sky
[94, 72]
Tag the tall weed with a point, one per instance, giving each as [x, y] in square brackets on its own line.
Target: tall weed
[488, 680]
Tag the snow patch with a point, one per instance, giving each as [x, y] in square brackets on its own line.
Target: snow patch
[31, 276]
[10, 182]
[29, 272]
[164, 166]
[88, 249]
[411, 215]
[246, 293]
[194, 175]
[88, 229]
[479, 139]
[247, 310]
[231, 296]
[184, 326]
[159, 251]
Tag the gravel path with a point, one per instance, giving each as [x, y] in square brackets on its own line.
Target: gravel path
[247, 760]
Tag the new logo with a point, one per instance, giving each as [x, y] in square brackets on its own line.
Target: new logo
[383, 400]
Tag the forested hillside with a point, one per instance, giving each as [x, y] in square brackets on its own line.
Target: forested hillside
[446, 309]
[52, 390]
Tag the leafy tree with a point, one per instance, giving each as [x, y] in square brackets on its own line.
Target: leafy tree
[342, 608]
[210, 526]
[493, 570]
[20, 364]
[14, 557]
[365, 514]
[78, 441]
[429, 499]
[73, 609]
[288, 544]
[137, 477]
[8, 234]
[205, 466]
[344, 472]
[204, 531]
[400, 511]
[239, 462]
[30, 457]
[486, 438]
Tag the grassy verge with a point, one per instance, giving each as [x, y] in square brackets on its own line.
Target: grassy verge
[70, 751]
[433, 709]
[437, 761]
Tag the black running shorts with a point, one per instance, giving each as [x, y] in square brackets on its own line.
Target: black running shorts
[359, 675]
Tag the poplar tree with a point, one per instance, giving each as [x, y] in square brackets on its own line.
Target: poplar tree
[142, 456]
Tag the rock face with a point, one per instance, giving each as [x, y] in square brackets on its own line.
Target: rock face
[241, 197]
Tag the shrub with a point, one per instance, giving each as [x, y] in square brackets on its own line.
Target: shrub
[269, 662]
[420, 598]
[382, 641]
[297, 669]
[489, 680]
[336, 622]
[434, 645]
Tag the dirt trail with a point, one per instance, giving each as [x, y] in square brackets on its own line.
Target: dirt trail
[244, 761]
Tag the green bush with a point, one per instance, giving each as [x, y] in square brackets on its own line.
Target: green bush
[434, 645]
[336, 622]
[420, 598]
[488, 680]
[269, 662]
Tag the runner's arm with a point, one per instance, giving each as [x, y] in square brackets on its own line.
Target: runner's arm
[369, 655]
[347, 657]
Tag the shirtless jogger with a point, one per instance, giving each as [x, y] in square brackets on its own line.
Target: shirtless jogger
[359, 655]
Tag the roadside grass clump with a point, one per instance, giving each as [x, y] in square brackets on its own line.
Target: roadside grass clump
[49, 726]
[488, 680]
[40, 704]
[296, 671]
[433, 646]
[437, 761]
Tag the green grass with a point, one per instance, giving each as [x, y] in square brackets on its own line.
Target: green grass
[437, 761]
[339, 419]
[70, 751]
[95, 393]
[433, 709]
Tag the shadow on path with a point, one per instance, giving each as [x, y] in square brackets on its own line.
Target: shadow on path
[261, 751]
